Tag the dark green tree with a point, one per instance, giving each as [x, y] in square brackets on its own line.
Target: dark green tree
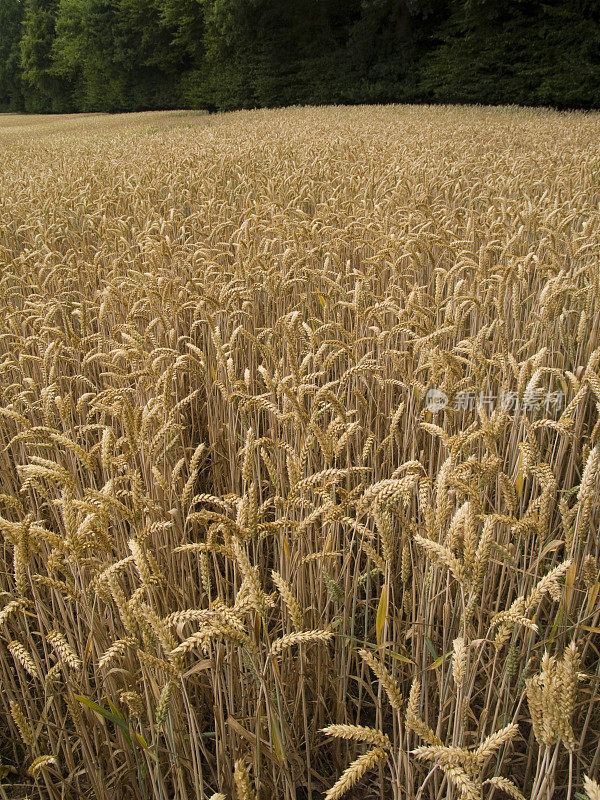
[148, 56]
[11, 18]
[519, 51]
[223, 54]
[272, 52]
[43, 89]
[184, 24]
[87, 53]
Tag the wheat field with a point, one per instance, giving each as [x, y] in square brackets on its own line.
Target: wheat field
[300, 430]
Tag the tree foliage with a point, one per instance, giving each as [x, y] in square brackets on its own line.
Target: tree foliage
[113, 55]
[11, 17]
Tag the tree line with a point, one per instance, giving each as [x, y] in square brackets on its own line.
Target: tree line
[126, 55]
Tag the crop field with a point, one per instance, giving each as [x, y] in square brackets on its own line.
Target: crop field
[299, 455]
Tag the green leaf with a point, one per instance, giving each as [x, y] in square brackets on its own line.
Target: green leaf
[431, 648]
[111, 716]
[557, 622]
[399, 656]
[275, 738]
[146, 747]
[439, 661]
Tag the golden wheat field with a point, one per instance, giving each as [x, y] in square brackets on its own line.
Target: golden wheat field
[300, 437]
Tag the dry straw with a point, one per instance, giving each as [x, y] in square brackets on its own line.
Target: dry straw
[240, 546]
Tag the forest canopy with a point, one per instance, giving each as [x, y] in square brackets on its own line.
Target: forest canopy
[128, 55]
